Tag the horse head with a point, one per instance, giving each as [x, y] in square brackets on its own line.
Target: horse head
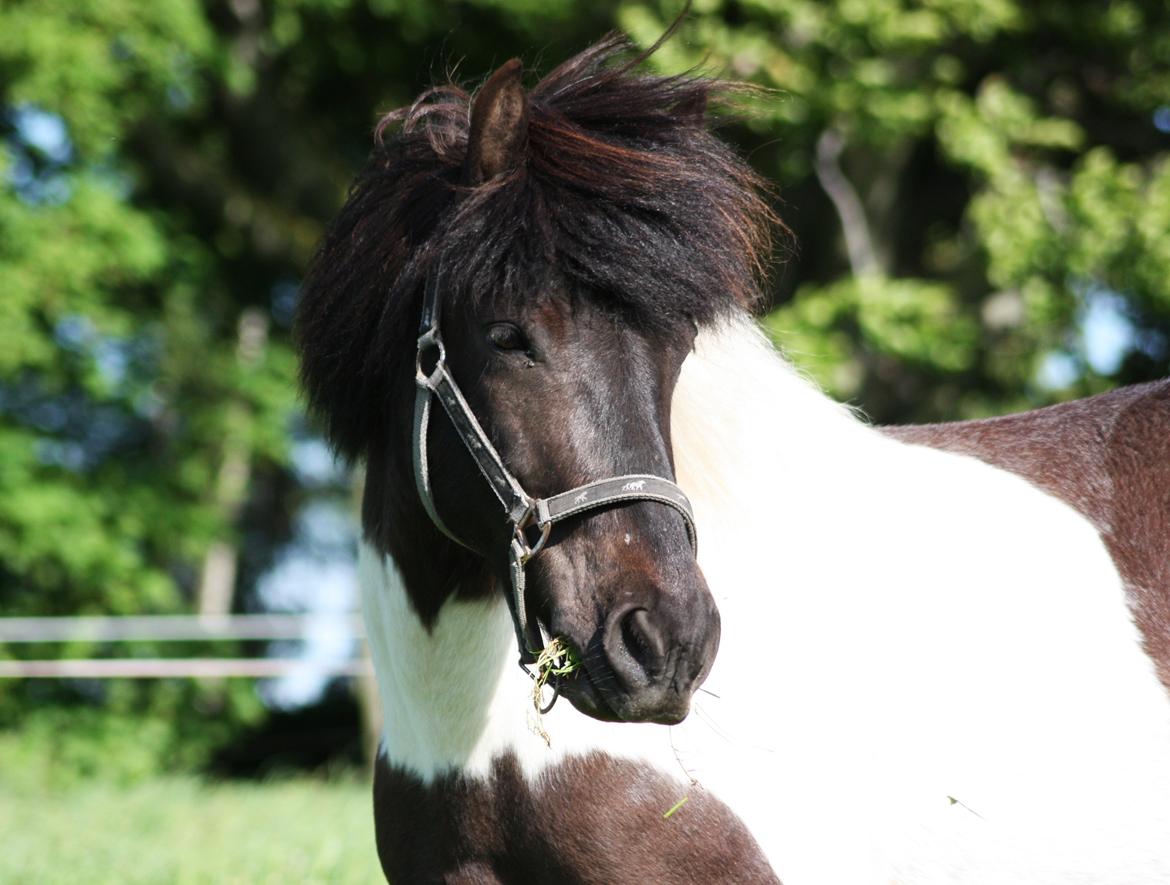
[574, 237]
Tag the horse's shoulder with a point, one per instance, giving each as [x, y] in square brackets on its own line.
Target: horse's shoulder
[588, 819]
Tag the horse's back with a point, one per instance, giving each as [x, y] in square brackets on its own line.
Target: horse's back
[1108, 456]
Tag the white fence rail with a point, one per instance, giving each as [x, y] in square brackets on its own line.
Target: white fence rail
[166, 628]
[169, 668]
[159, 628]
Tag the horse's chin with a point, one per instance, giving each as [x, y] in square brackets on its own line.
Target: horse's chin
[584, 695]
[588, 699]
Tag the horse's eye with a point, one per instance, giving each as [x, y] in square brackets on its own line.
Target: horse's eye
[505, 336]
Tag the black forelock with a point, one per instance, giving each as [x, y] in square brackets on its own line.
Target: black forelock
[624, 196]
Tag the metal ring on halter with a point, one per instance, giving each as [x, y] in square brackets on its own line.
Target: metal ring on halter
[526, 521]
[554, 683]
[429, 339]
[556, 687]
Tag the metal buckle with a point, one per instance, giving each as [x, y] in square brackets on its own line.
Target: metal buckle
[426, 341]
[528, 520]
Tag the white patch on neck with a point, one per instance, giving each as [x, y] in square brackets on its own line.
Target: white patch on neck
[454, 699]
[901, 628]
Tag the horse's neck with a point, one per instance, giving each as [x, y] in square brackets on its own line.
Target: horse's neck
[774, 468]
[746, 425]
[454, 700]
[443, 690]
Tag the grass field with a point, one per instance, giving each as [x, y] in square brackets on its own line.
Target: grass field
[182, 830]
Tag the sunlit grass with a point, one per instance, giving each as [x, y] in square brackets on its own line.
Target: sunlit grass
[182, 830]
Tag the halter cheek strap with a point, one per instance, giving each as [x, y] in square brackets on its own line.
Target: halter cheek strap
[528, 516]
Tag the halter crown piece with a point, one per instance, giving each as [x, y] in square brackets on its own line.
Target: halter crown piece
[528, 516]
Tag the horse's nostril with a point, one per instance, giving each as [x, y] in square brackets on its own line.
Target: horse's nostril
[651, 655]
[643, 641]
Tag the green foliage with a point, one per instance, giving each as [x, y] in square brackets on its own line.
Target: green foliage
[85, 335]
[137, 733]
[104, 65]
[1006, 161]
[909, 323]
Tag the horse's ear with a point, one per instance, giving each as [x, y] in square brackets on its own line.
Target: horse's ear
[499, 126]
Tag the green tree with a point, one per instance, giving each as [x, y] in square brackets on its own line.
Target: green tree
[967, 180]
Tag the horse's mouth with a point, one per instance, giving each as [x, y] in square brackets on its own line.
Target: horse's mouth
[583, 694]
[590, 689]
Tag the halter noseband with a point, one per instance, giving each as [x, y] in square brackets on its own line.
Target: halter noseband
[524, 513]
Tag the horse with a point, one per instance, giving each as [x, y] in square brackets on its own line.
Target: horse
[792, 646]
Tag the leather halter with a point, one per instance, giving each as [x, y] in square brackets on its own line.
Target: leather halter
[527, 516]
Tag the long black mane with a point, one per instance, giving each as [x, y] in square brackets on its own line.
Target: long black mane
[624, 196]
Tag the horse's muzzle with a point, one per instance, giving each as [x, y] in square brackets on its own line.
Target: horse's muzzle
[653, 658]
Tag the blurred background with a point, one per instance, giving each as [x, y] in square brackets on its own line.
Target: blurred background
[980, 200]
